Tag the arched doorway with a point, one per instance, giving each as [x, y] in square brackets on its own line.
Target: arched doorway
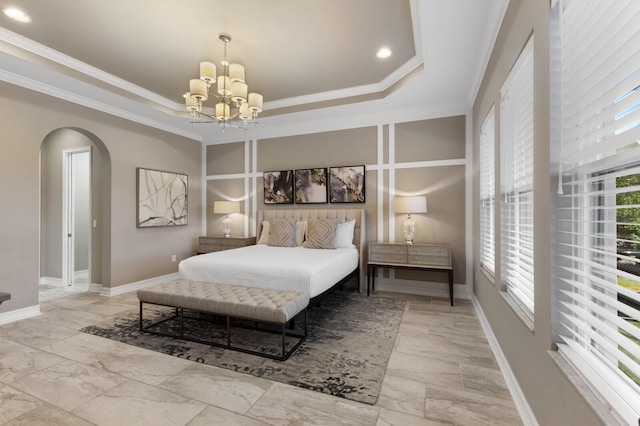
[75, 193]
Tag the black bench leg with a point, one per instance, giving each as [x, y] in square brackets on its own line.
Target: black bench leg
[140, 316]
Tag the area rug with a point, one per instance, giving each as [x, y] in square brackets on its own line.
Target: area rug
[346, 353]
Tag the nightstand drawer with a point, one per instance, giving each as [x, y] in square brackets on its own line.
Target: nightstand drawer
[210, 244]
[429, 255]
[394, 253]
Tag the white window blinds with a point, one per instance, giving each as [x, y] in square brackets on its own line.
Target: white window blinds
[597, 72]
[487, 193]
[516, 180]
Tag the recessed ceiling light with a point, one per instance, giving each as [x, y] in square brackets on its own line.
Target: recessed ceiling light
[16, 14]
[383, 53]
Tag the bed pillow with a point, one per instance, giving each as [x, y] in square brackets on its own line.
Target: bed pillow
[282, 232]
[344, 234]
[264, 234]
[301, 231]
[321, 233]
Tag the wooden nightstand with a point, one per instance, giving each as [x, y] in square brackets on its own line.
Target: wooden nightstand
[426, 257]
[210, 244]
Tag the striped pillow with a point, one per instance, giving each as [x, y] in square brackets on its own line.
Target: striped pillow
[321, 233]
[282, 232]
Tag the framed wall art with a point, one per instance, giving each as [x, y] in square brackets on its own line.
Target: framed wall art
[278, 187]
[311, 186]
[346, 184]
[161, 198]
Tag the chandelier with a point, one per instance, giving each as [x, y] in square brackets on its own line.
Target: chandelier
[234, 106]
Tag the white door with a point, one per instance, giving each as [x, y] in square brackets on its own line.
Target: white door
[76, 236]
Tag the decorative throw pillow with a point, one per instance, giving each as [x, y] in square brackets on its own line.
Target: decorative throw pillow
[321, 233]
[282, 232]
[344, 234]
[264, 234]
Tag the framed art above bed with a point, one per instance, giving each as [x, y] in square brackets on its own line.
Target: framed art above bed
[161, 198]
[346, 184]
[311, 186]
[278, 187]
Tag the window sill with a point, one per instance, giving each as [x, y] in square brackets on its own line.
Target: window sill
[525, 316]
[584, 389]
[488, 275]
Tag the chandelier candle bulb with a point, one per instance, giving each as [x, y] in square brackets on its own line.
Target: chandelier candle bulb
[198, 89]
[208, 72]
[255, 102]
[236, 73]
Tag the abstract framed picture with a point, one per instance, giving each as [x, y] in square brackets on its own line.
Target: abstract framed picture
[311, 186]
[278, 187]
[161, 198]
[346, 184]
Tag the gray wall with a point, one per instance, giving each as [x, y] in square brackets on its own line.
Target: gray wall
[128, 254]
[552, 398]
[418, 142]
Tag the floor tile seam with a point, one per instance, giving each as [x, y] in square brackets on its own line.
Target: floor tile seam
[63, 358]
[46, 404]
[162, 386]
[189, 400]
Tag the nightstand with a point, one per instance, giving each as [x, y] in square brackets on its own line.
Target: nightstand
[425, 257]
[210, 244]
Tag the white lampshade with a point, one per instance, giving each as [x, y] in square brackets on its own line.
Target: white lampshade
[244, 113]
[236, 73]
[190, 103]
[224, 85]
[226, 207]
[222, 111]
[239, 91]
[208, 72]
[417, 204]
[198, 89]
[255, 102]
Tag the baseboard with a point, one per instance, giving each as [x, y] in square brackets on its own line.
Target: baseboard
[51, 281]
[526, 414]
[19, 314]
[422, 288]
[114, 291]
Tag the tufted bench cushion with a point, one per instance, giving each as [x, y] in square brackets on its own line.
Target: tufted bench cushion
[232, 300]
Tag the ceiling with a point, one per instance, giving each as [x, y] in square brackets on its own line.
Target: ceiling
[136, 57]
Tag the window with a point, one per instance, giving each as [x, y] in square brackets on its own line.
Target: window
[487, 193]
[596, 94]
[516, 181]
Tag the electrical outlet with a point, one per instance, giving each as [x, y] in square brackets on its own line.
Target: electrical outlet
[173, 257]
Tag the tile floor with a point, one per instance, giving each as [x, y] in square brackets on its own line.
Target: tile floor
[441, 372]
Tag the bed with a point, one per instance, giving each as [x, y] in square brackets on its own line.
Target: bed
[312, 271]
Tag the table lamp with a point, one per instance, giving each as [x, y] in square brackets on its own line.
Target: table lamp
[226, 207]
[408, 205]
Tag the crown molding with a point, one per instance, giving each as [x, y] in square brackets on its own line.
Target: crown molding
[73, 97]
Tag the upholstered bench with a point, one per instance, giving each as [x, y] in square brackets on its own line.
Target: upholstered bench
[235, 302]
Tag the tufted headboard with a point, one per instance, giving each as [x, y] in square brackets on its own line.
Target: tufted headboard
[340, 214]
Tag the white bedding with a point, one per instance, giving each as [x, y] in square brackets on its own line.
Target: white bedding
[308, 271]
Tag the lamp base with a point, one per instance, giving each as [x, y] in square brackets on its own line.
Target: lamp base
[409, 229]
[227, 226]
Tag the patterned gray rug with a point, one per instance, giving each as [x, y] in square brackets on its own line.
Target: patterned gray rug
[351, 337]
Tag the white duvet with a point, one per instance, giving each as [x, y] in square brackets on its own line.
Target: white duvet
[308, 271]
